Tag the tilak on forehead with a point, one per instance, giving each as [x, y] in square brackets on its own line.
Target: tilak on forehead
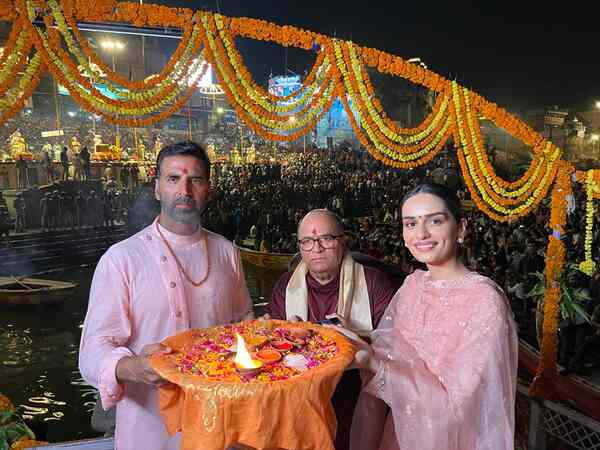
[314, 231]
[185, 171]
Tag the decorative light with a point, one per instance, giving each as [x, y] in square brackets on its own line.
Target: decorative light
[206, 79]
[112, 45]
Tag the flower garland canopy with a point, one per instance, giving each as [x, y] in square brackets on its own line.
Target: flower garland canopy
[45, 37]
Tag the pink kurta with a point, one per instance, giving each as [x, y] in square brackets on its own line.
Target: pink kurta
[139, 297]
[449, 353]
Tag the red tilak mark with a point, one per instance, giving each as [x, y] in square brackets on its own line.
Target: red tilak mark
[314, 231]
[185, 171]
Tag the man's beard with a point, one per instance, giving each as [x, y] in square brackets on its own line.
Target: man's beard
[188, 216]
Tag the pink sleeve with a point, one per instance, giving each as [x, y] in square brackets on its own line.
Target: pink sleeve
[106, 329]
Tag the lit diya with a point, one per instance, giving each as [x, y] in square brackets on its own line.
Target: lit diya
[244, 363]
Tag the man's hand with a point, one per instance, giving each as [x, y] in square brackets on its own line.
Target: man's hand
[137, 369]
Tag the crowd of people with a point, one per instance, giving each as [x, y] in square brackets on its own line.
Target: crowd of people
[64, 209]
[89, 129]
[260, 206]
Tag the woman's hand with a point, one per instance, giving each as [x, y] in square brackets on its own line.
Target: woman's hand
[364, 357]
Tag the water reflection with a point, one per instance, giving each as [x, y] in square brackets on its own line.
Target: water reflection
[33, 411]
[38, 354]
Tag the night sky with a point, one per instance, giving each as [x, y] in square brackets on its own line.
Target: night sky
[525, 54]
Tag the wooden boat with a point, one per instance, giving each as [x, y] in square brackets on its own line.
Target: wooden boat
[33, 291]
[276, 262]
[104, 443]
[578, 392]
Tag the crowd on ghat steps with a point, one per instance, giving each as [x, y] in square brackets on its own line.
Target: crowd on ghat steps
[260, 205]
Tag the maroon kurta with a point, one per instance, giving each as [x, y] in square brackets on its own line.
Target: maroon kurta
[323, 298]
[322, 301]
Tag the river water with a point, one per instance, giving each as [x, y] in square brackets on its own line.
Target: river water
[38, 357]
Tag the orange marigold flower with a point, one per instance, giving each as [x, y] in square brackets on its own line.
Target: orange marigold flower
[6, 404]
[27, 443]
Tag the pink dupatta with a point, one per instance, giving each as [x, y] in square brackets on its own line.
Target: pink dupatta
[449, 367]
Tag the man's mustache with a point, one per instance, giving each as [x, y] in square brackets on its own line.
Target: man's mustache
[185, 201]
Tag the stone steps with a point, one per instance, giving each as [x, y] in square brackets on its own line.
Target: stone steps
[38, 251]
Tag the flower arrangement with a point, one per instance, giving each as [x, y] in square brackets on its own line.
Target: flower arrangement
[211, 353]
[14, 434]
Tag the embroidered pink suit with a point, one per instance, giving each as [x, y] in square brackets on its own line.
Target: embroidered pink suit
[449, 353]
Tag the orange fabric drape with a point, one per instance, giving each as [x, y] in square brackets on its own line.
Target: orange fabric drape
[292, 414]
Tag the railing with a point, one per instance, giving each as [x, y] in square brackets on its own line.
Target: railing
[546, 418]
[554, 419]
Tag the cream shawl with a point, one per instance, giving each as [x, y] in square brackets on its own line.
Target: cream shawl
[353, 298]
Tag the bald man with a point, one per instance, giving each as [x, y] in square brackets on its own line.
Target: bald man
[329, 283]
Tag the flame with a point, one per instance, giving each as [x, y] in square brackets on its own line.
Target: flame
[243, 359]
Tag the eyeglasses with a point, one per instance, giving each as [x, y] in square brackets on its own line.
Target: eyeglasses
[326, 241]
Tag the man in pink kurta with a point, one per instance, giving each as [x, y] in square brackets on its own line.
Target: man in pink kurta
[153, 285]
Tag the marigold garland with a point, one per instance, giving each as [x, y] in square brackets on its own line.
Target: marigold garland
[588, 266]
[181, 57]
[485, 190]
[9, 46]
[13, 101]
[141, 98]
[15, 61]
[543, 383]
[271, 103]
[7, 12]
[383, 138]
[260, 120]
[228, 31]
[238, 94]
[361, 84]
[409, 156]
[481, 168]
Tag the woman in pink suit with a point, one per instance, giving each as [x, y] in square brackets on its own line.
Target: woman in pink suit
[444, 358]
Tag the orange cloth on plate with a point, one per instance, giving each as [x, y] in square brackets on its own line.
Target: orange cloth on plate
[294, 414]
